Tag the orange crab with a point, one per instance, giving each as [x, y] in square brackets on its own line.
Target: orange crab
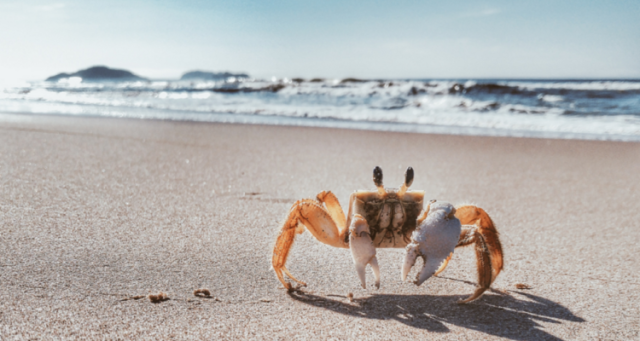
[391, 218]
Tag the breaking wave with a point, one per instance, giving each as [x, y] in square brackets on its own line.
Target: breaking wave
[600, 109]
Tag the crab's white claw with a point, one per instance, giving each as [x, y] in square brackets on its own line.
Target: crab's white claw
[434, 240]
[429, 269]
[362, 249]
[431, 263]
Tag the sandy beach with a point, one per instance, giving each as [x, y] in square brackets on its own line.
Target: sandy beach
[97, 210]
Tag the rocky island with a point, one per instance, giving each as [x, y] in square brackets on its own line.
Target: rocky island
[98, 73]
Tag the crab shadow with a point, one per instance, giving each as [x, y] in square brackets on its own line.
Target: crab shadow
[513, 315]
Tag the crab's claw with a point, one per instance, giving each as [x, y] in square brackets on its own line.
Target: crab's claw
[409, 259]
[434, 240]
[431, 264]
[362, 249]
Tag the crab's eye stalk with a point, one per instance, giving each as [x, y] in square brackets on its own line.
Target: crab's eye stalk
[408, 177]
[377, 180]
[377, 176]
[408, 180]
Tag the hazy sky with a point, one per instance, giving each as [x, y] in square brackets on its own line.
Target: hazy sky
[386, 39]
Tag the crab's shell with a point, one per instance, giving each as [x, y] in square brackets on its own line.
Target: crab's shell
[391, 219]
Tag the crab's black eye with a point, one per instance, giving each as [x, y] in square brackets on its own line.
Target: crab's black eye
[408, 177]
[377, 176]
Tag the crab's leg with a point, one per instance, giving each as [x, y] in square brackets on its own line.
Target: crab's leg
[362, 249]
[317, 220]
[376, 271]
[467, 235]
[284, 268]
[424, 214]
[333, 207]
[481, 232]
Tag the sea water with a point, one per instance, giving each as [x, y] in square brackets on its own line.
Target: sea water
[578, 109]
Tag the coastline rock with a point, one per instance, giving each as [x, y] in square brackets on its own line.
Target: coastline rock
[207, 75]
[352, 80]
[98, 73]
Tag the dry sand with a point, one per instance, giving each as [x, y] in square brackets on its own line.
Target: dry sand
[95, 210]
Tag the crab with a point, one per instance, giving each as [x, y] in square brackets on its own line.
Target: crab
[393, 218]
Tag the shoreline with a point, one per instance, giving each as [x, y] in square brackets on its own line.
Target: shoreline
[393, 127]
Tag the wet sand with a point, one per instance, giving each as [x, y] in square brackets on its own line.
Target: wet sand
[95, 210]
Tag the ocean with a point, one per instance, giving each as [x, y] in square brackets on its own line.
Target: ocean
[569, 109]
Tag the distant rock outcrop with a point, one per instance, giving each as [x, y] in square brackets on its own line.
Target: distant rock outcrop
[207, 75]
[98, 73]
[352, 80]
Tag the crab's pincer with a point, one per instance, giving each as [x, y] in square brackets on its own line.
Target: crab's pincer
[434, 240]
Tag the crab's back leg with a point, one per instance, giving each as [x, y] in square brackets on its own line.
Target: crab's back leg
[481, 231]
[472, 215]
[317, 220]
[284, 268]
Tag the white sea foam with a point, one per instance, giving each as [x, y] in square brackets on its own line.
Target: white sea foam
[584, 86]
[550, 98]
[449, 106]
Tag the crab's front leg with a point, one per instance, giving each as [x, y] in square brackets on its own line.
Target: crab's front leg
[362, 249]
[312, 215]
[333, 208]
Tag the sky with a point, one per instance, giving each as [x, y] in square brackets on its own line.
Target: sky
[333, 39]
